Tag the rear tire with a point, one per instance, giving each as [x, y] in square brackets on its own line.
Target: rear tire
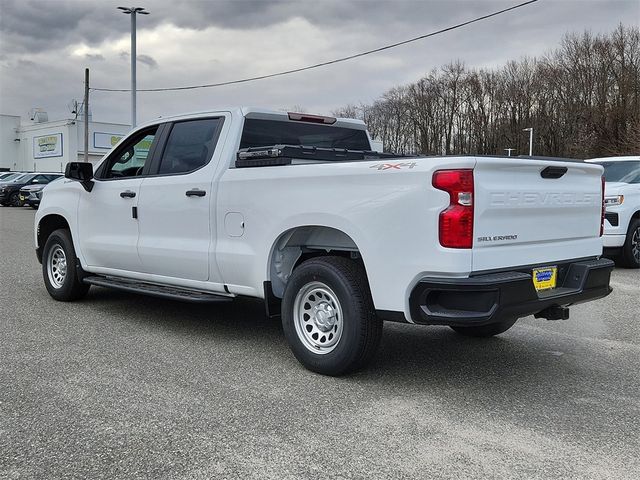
[486, 331]
[60, 268]
[328, 316]
[630, 253]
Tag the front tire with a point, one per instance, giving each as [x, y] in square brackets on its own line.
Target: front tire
[485, 331]
[14, 200]
[328, 316]
[60, 268]
[630, 254]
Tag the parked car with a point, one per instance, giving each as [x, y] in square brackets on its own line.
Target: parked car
[32, 194]
[10, 191]
[295, 209]
[622, 200]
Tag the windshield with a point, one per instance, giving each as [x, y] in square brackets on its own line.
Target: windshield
[9, 177]
[627, 172]
[21, 178]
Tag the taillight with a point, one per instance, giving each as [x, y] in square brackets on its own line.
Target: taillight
[455, 225]
[603, 210]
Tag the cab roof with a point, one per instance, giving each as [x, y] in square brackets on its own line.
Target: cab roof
[263, 113]
[628, 158]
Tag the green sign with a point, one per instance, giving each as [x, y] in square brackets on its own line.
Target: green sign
[47, 146]
[105, 140]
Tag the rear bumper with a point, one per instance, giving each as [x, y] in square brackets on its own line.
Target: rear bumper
[493, 297]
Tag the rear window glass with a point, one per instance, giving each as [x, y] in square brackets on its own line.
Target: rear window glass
[261, 133]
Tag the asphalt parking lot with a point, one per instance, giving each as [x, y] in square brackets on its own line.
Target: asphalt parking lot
[123, 386]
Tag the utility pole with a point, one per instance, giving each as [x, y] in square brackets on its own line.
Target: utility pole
[133, 69]
[86, 114]
[133, 11]
[530, 130]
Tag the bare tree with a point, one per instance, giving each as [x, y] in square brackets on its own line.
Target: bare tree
[582, 99]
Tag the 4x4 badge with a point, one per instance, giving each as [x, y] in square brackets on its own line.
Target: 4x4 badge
[393, 166]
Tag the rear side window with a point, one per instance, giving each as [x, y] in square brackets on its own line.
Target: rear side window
[261, 133]
[190, 145]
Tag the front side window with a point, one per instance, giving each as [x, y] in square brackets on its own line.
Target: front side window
[190, 146]
[131, 157]
[40, 179]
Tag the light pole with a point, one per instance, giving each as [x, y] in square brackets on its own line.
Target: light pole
[133, 11]
[530, 130]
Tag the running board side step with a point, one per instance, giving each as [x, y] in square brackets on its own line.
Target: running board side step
[154, 290]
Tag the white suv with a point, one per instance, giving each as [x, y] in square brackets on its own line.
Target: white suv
[622, 200]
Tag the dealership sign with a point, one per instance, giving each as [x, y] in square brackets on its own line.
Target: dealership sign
[105, 140]
[47, 146]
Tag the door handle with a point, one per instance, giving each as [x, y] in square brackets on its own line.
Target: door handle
[196, 192]
[127, 194]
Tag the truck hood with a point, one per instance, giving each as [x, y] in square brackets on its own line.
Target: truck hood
[33, 188]
[614, 188]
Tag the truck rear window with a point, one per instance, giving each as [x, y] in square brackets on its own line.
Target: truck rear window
[261, 133]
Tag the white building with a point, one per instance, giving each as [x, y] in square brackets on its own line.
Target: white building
[44, 146]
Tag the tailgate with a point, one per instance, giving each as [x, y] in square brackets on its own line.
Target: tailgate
[533, 212]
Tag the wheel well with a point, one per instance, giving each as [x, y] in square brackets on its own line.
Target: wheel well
[48, 225]
[636, 215]
[302, 243]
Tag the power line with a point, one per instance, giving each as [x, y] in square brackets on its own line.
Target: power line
[322, 64]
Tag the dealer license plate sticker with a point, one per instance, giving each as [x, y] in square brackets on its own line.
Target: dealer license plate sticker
[545, 278]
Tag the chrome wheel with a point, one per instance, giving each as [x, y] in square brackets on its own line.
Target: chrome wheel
[635, 245]
[56, 266]
[317, 316]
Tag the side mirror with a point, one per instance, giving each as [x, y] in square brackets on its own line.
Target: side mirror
[81, 172]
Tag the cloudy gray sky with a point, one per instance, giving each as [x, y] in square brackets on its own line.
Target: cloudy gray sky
[46, 44]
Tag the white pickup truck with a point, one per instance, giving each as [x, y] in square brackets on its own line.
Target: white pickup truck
[622, 202]
[295, 209]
